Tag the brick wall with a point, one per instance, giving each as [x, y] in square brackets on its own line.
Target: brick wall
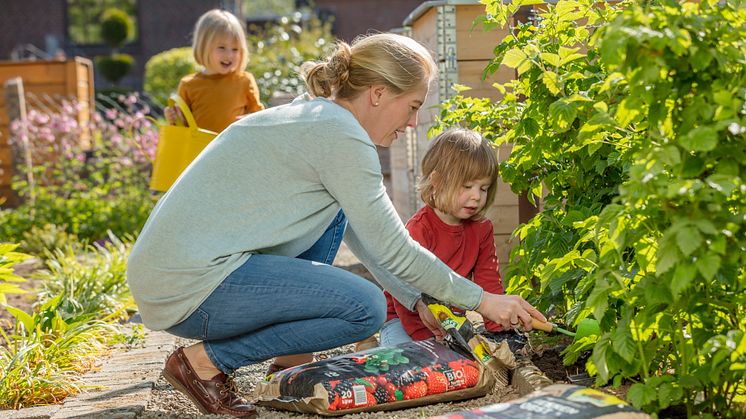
[28, 21]
[354, 17]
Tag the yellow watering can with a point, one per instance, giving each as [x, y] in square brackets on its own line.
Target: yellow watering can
[177, 147]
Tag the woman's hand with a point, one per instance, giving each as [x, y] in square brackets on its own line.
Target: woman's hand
[430, 321]
[508, 310]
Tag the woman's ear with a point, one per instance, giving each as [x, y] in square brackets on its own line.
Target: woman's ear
[375, 93]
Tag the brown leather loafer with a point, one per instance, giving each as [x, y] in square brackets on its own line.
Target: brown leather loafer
[214, 396]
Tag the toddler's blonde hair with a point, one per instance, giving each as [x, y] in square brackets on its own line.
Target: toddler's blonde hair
[213, 24]
[395, 61]
[455, 157]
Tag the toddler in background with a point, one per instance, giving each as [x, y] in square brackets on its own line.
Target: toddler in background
[223, 92]
[458, 183]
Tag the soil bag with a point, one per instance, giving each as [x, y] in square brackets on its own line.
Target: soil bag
[383, 378]
[555, 401]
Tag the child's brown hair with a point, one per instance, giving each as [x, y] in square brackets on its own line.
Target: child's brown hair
[455, 157]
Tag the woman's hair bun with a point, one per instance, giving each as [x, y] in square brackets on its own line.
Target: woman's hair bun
[338, 65]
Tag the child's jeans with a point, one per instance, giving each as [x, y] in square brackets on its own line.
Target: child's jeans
[278, 305]
[393, 333]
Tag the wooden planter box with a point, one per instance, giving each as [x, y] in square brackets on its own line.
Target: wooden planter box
[462, 54]
[72, 78]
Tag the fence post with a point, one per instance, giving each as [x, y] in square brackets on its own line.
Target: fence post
[15, 106]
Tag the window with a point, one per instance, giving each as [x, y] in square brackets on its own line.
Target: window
[83, 19]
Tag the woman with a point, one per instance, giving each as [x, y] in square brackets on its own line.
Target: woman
[236, 254]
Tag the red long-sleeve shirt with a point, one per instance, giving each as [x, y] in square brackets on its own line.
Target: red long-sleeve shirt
[467, 248]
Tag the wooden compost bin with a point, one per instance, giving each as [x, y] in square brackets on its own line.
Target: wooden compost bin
[445, 27]
[72, 78]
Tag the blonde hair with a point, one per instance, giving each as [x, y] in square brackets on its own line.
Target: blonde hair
[455, 157]
[213, 24]
[395, 61]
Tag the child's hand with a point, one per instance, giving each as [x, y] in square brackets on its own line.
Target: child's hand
[173, 115]
[430, 321]
[509, 311]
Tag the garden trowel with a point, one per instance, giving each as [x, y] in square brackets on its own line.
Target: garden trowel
[586, 327]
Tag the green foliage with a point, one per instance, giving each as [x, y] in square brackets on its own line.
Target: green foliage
[38, 240]
[114, 67]
[676, 237]
[116, 27]
[86, 188]
[83, 295]
[629, 122]
[8, 279]
[40, 361]
[276, 53]
[84, 18]
[163, 72]
[93, 283]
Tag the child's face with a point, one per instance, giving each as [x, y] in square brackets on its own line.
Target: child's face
[471, 199]
[224, 56]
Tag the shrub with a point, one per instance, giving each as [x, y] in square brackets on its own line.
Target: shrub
[116, 27]
[637, 144]
[115, 66]
[163, 72]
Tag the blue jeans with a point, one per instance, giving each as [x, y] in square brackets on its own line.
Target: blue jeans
[393, 333]
[277, 305]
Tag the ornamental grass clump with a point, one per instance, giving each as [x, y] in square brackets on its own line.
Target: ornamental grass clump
[74, 324]
[90, 284]
[42, 358]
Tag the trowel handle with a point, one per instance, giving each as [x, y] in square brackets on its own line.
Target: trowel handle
[540, 325]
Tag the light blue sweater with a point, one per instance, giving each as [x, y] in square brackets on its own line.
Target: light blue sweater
[271, 183]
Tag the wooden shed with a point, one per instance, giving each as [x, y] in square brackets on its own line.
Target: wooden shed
[72, 78]
[462, 52]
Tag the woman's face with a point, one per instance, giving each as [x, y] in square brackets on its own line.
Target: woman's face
[394, 114]
[224, 56]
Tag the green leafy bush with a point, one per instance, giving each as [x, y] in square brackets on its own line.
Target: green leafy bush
[114, 67]
[163, 72]
[116, 27]
[630, 122]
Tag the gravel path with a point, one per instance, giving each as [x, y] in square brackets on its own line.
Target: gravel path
[168, 403]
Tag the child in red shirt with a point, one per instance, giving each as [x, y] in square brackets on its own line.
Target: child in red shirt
[458, 183]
